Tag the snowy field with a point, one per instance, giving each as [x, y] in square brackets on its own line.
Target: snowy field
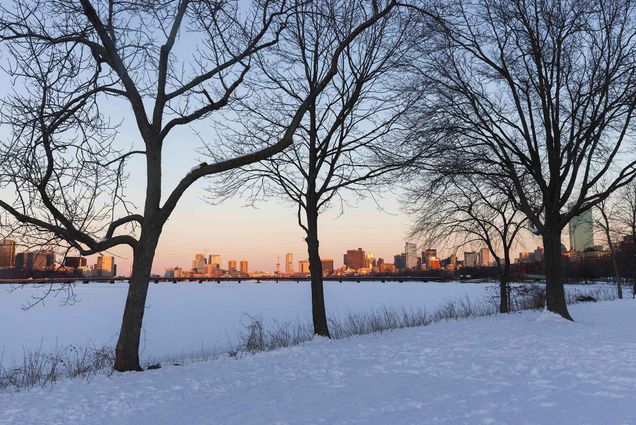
[182, 320]
[523, 368]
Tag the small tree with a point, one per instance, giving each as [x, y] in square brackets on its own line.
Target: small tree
[458, 210]
[608, 225]
[344, 142]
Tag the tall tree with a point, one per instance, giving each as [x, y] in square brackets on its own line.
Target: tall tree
[541, 92]
[344, 141]
[173, 64]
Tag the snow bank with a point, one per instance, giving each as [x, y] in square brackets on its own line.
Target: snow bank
[508, 369]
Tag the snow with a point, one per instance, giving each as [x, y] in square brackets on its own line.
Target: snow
[185, 320]
[181, 320]
[494, 370]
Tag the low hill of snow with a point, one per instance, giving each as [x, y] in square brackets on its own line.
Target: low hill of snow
[522, 368]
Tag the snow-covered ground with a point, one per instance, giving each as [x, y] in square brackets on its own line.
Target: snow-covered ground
[183, 319]
[523, 368]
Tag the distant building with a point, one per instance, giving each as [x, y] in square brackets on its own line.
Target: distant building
[35, 260]
[327, 266]
[471, 259]
[434, 263]
[173, 272]
[582, 231]
[105, 267]
[74, 262]
[215, 260]
[7, 253]
[484, 257]
[410, 252]
[355, 259]
[289, 263]
[244, 267]
[399, 261]
[303, 267]
[231, 266]
[198, 264]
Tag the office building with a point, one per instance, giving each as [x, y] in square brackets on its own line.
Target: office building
[399, 261]
[105, 266]
[327, 266]
[484, 257]
[198, 264]
[215, 260]
[303, 267]
[74, 262]
[7, 253]
[231, 265]
[355, 259]
[582, 231]
[244, 267]
[471, 259]
[289, 263]
[410, 253]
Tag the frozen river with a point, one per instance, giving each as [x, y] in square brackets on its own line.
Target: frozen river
[183, 319]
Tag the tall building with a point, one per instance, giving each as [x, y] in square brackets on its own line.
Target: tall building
[198, 264]
[582, 231]
[244, 268]
[327, 266]
[399, 261]
[303, 267]
[368, 260]
[289, 263]
[231, 265]
[410, 252]
[355, 259]
[215, 260]
[7, 253]
[105, 266]
[36, 260]
[484, 257]
[74, 262]
[471, 259]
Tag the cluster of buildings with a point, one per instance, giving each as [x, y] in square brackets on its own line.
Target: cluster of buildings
[42, 261]
[209, 266]
[359, 261]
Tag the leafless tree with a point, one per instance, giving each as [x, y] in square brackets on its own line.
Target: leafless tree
[542, 92]
[173, 63]
[608, 225]
[625, 219]
[347, 139]
[454, 208]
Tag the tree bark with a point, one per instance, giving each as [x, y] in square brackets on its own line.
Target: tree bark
[127, 349]
[319, 313]
[555, 293]
[504, 279]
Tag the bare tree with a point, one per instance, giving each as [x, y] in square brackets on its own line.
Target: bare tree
[173, 63]
[457, 209]
[344, 142]
[542, 92]
[607, 210]
[625, 220]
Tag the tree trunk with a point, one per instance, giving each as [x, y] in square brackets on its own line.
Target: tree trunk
[127, 349]
[555, 293]
[504, 293]
[318, 310]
